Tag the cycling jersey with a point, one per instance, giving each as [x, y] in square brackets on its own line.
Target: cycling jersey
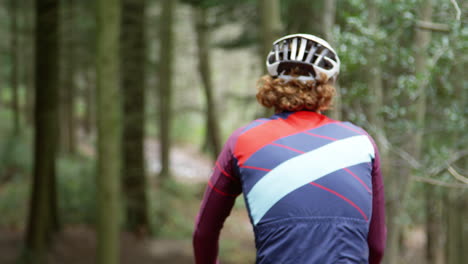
[312, 187]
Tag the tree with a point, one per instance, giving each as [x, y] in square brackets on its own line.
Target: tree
[68, 86]
[455, 202]
[270, 30]
[202, 28]
[27, 58]
[422, 40]
[376, 90]
[43, 206]
[270, 25]
[165, 85]
[328, 22]
[109, 131]
[14, 65]
[133, 85]
[304, 16]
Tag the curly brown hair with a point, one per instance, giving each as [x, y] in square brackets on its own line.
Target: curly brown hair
[294, 95]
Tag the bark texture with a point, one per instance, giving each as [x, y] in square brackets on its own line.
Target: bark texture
[43, 212]
[270, 30]
[270, 25]
[328, 22]
[109, 131]
[165, 84]
[422, 40]
[133, 86]
[14, 66]
[68, 86]
[204, 66]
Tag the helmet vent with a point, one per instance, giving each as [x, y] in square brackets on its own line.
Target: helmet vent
[303, 52]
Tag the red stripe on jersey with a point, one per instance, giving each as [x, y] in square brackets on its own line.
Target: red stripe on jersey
[359, 179]
[352, 128]
[342, 197]
[320, 136]
[225, 173]
[287, 147]
[260, 136]
[255, 168]
[219, 191]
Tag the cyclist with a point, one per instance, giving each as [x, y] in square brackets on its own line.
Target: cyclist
[312, 185]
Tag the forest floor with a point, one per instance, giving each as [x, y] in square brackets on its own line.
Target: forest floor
[76, 244]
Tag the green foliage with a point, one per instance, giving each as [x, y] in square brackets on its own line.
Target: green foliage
[188, 128]
[15, 166]
[76, 189]
[178, 203]
[75, 180]
[14, 203]
[15, 156]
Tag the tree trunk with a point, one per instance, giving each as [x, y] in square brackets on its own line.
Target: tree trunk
[270, 26]
[165, 85]
[392, 181]
[89, 116]
[434, 230]
[133, 85]
[109, 131]
[67, 113]
[14, 66]
[422, 40]
[28, 60]
[456, 202]
[375, 83]
[328, 22]
[303, 16]
[71, 94]
[270, 30]
[42, 213]
[204, 66]
[455, 228]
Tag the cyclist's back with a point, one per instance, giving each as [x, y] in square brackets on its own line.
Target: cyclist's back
[312, 185]
[307, 181]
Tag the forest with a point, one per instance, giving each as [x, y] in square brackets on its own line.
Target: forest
[113, 112]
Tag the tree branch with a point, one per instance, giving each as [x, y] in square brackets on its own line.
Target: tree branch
[438, 183]
[429, 25]
[457, 8]
[457, 175]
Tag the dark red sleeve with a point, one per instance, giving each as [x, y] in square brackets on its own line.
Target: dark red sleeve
[377, 231]
[220, 194]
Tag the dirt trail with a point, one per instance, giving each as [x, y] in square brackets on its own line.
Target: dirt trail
[187, 164]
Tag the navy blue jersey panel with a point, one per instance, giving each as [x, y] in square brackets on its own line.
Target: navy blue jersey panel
[254, 123]
[266, 158]
[310, 201]
[328, 242]
[282, 115]
[333, 130]
[303, 142]
[350, 188]
[363, 172]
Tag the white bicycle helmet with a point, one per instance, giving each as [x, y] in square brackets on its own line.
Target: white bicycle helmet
[306, 52]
